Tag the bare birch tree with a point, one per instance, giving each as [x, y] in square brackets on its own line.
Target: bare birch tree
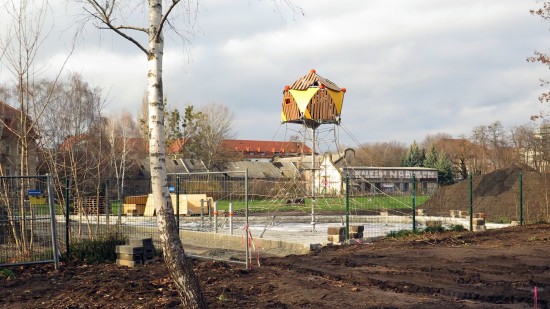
[120, 130]
[105, 13]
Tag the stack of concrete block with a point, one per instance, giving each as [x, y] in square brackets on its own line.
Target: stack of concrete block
[480, 215]
[478, 224]
[337, 234]
[421, 212]
[137, 251]
[455, 213]
[356, 231]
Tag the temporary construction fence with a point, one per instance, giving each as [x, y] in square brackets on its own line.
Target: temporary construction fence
[193, 197]
[283, 210]
[511, 195]
[27, 221]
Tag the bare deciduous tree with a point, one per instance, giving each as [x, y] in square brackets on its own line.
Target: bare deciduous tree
[106, 14]
[380, 154]
[544, 58]
[27, 30]
[213, 124]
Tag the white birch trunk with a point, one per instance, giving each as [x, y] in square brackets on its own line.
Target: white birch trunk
[178, 265]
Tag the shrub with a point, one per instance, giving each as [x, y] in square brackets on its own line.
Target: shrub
[434, 229]
[400, 233]
[427, 230]
[457, 228]
[97, 250]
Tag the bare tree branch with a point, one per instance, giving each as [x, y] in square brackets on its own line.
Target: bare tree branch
[127, 28]
[104, 18]
[164, 18]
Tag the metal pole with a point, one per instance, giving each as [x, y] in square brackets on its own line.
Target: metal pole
[53, 222]
[202, 213]
[67, 217]
[521, 198]
[246, 218]
[313, 167]
[230, 218]
[347, 207]
[471, 203]
[215, 217]
[209, 206]
[178, 202]
[414, 201]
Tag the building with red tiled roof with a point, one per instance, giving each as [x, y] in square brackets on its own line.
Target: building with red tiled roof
[253, 150]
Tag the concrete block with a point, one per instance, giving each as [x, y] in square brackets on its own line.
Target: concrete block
[129, 257]
[464, 214]
[128, 263]
[140, 242]
[480, 215]
[478, 221]
[336, 238]
[515, 223]
[421, 212]
[148, 255]
[455, 213]
[336, 230]
[384, 213]
[355, 235]
[479, 228]
[356, 228]
[129, 249]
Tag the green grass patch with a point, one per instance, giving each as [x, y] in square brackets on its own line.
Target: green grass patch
[325, 204]
[7, 273]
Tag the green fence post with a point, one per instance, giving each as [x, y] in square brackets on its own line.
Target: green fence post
[521, 198]
[347, 207]
[178, 202]
[414, 201]
[471, 203]
[67, 216]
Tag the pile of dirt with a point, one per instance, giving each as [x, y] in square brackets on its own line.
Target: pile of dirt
[504, 268]
[497, 195]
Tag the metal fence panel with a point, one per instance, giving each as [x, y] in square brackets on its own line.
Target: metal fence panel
[27, 222]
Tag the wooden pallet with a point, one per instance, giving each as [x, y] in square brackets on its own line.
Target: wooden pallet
[90, 205]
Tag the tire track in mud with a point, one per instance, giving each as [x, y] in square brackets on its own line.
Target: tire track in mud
[480, 280]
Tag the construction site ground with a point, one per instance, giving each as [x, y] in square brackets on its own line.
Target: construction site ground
[497, 268]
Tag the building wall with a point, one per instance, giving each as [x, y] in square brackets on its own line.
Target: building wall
[391, 180]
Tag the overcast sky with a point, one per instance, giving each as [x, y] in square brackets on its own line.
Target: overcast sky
[411, 68]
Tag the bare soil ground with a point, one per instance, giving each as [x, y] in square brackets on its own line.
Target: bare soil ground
[491, 269]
